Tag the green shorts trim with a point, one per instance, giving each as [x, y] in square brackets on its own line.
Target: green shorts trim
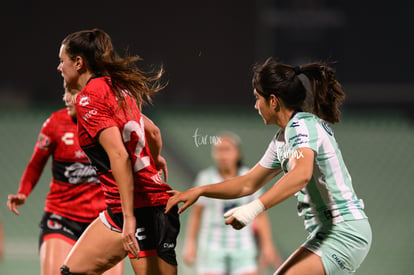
[342, 246]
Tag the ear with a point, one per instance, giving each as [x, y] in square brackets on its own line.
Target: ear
[274, 102]
[79, 63]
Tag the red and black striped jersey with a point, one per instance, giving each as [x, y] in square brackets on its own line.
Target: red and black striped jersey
[75, 191]
[97, 108]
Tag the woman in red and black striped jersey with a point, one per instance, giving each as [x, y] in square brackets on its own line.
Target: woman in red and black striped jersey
[111, 133]
[75, 198]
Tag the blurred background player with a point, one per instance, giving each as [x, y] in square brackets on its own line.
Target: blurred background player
[214, 247]
[75, 197]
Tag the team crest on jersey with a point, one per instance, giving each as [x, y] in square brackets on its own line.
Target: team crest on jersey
[84, 101]
[43, 141]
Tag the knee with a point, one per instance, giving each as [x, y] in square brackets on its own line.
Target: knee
[64, 270]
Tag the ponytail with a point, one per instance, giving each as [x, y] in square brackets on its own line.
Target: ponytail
[326, 90]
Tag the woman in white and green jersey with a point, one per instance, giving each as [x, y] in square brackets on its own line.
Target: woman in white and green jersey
[213, 247]
[305, 150]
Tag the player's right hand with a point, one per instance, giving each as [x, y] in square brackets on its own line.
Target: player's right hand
[14, 201]
[188, 197]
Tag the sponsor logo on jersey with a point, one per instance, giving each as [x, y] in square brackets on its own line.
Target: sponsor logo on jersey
[89, 114]
[84, 101]
[80, 172]
[68, 138]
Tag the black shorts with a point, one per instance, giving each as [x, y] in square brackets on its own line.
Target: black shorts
[56, 226]
[156, 231]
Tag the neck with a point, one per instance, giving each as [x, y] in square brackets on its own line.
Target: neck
[84, 78]
[284, 117]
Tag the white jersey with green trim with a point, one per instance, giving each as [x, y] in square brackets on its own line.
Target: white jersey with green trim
[329, 196]
[213, 231]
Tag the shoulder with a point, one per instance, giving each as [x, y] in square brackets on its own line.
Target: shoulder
[99, 87]
[302, 122]
[61, 114]
[55, 117]
[96, 95]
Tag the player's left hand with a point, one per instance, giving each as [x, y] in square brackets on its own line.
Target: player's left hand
[240, 216]
[161, 165]
[128, 236]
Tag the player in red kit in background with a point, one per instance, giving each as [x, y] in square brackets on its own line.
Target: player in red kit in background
[75, 197]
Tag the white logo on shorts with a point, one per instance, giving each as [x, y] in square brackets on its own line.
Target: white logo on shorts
[139, 236]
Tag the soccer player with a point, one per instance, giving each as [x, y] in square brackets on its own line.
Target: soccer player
[75, 198]
[301, 101]
[111, 132]
[221, 250]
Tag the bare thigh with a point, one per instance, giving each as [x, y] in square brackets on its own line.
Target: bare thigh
[116, 270]
[302, 261]
[97, 250]
[53, 252]
[153, 266]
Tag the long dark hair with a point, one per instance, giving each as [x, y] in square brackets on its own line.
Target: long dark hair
[285, 82]
[95, 47]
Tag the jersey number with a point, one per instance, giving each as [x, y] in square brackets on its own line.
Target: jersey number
[134, 134]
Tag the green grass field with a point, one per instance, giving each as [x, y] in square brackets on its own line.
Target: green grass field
[377, 149]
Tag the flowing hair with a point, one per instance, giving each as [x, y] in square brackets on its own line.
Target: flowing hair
[96, 48]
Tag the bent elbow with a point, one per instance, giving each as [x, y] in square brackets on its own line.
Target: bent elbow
[305, 179]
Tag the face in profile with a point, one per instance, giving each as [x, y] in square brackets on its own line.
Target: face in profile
[69, 100]
[67, 68]
[226, 153]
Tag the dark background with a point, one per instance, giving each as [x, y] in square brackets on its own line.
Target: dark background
[209, 47]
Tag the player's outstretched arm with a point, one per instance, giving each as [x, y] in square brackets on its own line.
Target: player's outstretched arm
[301, 169]
[230, 189]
